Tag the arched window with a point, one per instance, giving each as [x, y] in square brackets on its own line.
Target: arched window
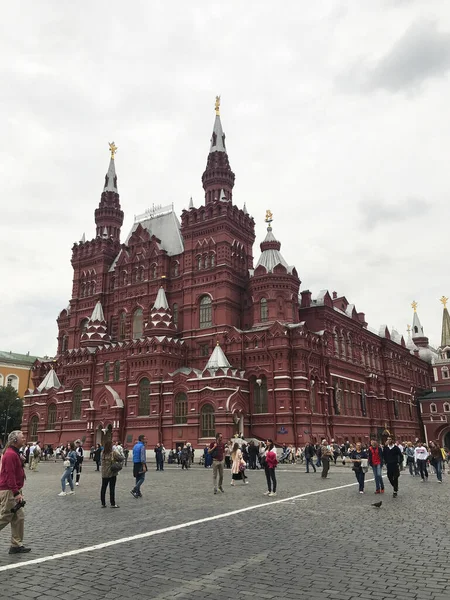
[175, 314]
[181, 408]
[396, 411]
[51, 417]
[206, 262]
[263, 309]
[153, 271]
[199, 262]
[83, 326]
[33, 430]
[205, 312]
[13, 381]
[76, 403]
[144, 397]
[122, 325]
[213, 260]
[117, 370]
[106, 372]
[175, 269]
[138, 324]
[64, 342]
[446, 407]
[444, 371]
[260, 404]
[208, 421]
[312, 395]
[124, 277]
[433, 408]
[336, 343]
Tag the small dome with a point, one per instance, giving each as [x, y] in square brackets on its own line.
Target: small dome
[427, 355]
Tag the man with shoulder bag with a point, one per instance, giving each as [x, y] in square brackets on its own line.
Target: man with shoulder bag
[12, 479]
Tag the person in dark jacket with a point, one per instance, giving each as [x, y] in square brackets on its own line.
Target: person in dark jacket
[98, 456]
[393, 458]
[309, 453]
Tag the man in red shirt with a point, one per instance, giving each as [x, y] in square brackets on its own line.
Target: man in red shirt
[217, 451]
[12, 478]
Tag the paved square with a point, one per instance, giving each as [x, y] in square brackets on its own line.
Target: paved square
[322, 545]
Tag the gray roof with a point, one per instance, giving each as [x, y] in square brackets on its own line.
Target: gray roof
[417, 323]
[111, 178]
[50, 381]
[219, 137]
[166, 227]
[272, 257]
[161, 299]
[217, 360]
[97, 313]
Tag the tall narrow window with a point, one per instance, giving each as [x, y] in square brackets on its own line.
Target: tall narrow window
[34, 427]
[64, 342]
[117, 370]
[260, 397]
[76, 403]
[213, 260]
[264, 309]
[84, 325]
[208, 421]
[312, 395]
[181, 408]
[106, 372]
[51, 418]
[144, 397]
[138, 324]
[122, 325]
[175, 314]
[205, 312]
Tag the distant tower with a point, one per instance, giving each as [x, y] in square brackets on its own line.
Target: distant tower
[420, 339]
[109, 216]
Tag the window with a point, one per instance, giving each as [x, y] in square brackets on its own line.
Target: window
[206, 261]
[13, 381]
[444, 372]
[138, 324]
[205, 312]
[204, 349]
[208, 421]
[117, 370]
[213, 260]
[433, 408]
[199, 262]
[260, 403]
[144, 397]
[181, 407]
[263, 309]
[175, 314]
[122, 326]
[312, 395]
[446, 407]
[51, 418]
[153, 271]
[175, 269]
[76, 403]
[396, 411]
[106, 372]
[84, 325]
[34, 427]
[64, 342]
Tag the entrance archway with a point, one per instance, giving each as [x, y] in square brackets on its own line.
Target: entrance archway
[447, 440]
[102, 434]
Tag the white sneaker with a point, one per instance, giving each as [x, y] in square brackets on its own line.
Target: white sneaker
[267, 493]
[232, 483]
[62, 494]
[272, 494]
[246, 482]
[77, 483]
[71, 492]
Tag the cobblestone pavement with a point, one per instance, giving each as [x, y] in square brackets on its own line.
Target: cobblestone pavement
[330, 545]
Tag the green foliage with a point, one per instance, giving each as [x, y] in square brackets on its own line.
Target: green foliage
[11, 411]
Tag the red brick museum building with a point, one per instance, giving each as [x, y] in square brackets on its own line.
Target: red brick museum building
[179, 332]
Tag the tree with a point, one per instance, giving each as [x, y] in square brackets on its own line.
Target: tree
[11, 411]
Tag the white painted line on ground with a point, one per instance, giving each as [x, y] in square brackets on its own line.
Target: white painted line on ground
[147, 534]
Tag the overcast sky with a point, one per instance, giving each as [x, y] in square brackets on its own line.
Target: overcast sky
[336, 115]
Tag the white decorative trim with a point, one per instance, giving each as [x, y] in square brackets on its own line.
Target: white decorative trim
[348, 378]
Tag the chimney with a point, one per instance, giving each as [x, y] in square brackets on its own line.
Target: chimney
[306, 299]
[334, 295]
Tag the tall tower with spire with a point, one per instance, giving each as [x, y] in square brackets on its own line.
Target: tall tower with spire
[109, 216]
[419, 339]
[218, 178]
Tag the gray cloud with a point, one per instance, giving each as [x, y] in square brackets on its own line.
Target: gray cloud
[378, 212]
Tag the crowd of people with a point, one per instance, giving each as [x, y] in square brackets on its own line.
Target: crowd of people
[237, 455]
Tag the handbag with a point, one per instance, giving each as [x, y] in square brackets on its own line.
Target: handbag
[67, 463]
[364, 465]
[242, 467]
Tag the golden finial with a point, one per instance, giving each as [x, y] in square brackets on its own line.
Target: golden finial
[408, 329]
[414, 306]
[444, 301]
[269, 217]
[113, 149]
[217, 105]
[217, 343]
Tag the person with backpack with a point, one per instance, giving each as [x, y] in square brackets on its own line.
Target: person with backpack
[112, 463]
[270, 465]
[70, 460]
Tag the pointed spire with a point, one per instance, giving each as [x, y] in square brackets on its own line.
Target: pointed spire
[222, 196]
[417, 329]
[410, 344]
[83, 238]
[111, 178]
[50, 381]
[244, 209]
[218, 137]
[445, 337]
[97, 313]
[218, 360]
[96, 333]
[191, 203]
[161, 300]
[109, 216]
[270, 250]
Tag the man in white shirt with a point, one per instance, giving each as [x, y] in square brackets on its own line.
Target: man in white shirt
[35, 454]
[421, 456]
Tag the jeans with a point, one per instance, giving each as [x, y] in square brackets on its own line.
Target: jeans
[318, 462]
[271, 479]
[218, 470]
[422, 464]
[139, 481]
[309, 461]
[360, 477]
[160, 464]
[377, 473]
[111, 481]
[438, 466]
[67, 476]
[326, 466]
[393, 473]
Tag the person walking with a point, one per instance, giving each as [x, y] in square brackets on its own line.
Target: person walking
[325, 457]
[139, 466]
[12, 479]
[410, 461]
[436, 459]
[159, 457]
[70, 460]
[126, 452]
[270, 465]
[238, 466]
[375, 456]
[357, 456]
[79, 464]
[217, 451]
[98, 456]
[111, 465]
[309, 452]
[393, 458]
[421, 455]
